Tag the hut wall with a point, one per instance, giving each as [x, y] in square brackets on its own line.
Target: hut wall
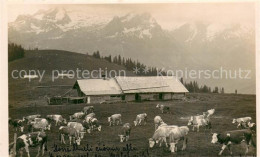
[167, 96]
[104, 98]
[178, 95]
[149, 96]
[130, 97]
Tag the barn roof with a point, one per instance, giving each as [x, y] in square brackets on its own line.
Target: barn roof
[151, 84]
[98, 86]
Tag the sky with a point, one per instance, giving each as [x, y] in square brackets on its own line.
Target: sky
[167, 15]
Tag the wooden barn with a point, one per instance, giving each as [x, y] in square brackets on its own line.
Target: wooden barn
[98, 90]
[130, 89]
[151, 88]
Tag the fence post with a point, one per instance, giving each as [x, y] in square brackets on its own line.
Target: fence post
[15, 136]
[13, 150]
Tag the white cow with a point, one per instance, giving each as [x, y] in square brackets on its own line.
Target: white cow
[197, 121]
[58, 119]
[161, 134]
[209, 113]
[77, 115]
[157, 121]
[176, 135]
[241, 120]
[115, 119]
[140, 118]
[79, 127]
[71, 133]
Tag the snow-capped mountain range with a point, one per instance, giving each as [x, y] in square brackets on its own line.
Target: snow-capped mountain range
[195, 45]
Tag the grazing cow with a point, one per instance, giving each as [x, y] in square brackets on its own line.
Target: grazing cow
[88, 109]
[39, 123]
[140, 118]
[17, 123]
[30, 118]
[115, 119]
[233, 137]
[209, 113]
[163, 108]
[71, 133]
[161, 134]
[252, 126]
[76, 120]
[31, 140]
[58, 119]
[157, 121]
[197, 121]
[93, 123]
[126, 130]
[91, 115]
[241, 120]
[177, 135]
[77, 115]
[79, 127]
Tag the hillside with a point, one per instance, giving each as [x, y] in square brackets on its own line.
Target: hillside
[49, 60]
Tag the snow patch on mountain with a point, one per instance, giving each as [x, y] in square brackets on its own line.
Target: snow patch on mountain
[128, 17]
[36, 29]
[146, 33]
[213, 30]
[193, 32]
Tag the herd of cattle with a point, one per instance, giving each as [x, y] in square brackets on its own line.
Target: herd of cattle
[86, 122]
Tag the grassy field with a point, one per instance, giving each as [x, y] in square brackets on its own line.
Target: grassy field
[227, 107]
[23, 93]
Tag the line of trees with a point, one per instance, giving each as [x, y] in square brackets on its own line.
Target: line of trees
[194, 87]
[15, 52]
[129, 64]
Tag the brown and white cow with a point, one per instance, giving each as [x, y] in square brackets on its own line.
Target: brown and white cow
[71, 133]
[233, 137]
[30, 118]
[30, 140]
[17, 123]
[126, 130]
[93, 123]
[39, 123]
[140, 118]
[58, 119]
[88, 117]
[88, 109]
[252, 126]
[163, 108]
